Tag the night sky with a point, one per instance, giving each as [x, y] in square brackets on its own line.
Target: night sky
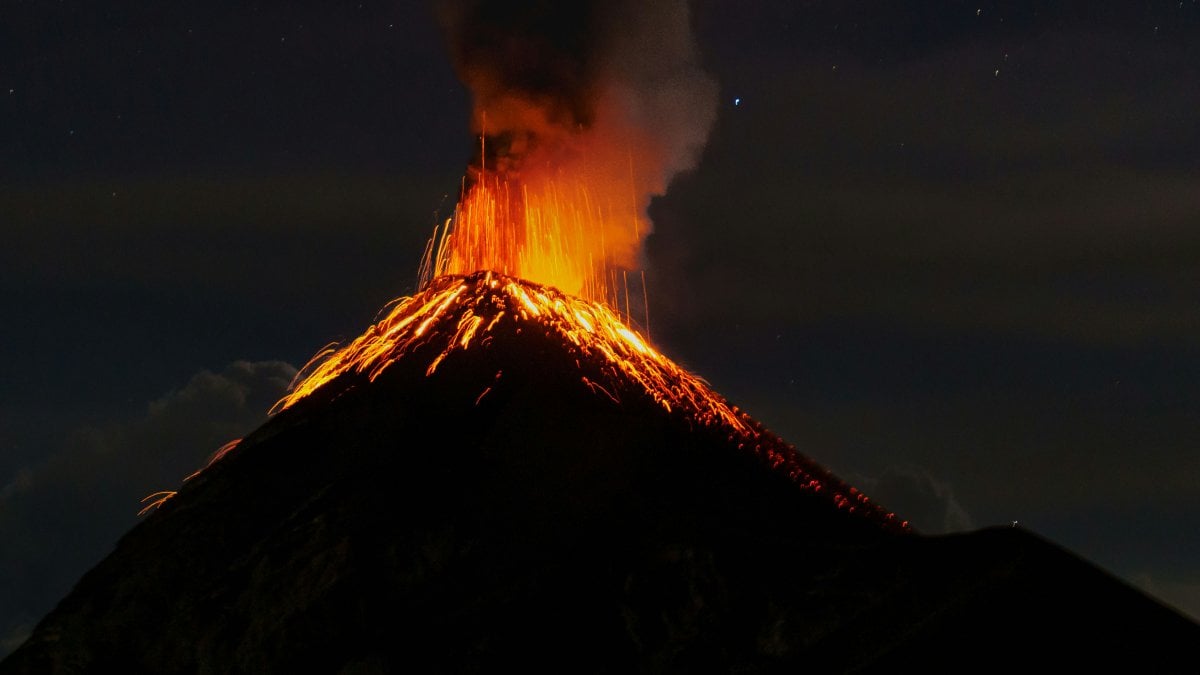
[951, 250]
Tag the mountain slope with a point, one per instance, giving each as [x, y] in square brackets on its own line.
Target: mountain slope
[560, 517]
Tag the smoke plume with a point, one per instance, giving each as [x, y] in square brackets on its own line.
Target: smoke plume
[609, 92]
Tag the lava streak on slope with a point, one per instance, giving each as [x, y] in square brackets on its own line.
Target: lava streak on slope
[456, 315]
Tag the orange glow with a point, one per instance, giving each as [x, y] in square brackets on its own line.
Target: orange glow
[555, 232]
[556, 206]
[456, 312]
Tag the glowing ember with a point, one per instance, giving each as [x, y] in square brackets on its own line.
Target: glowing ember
[216, 457]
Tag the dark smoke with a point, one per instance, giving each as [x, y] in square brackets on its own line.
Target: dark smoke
[543, 52]
[552, 80]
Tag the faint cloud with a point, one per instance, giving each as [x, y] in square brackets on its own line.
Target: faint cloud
[232, 388]
[59, 518]
[1073, 225]
[917, 496]
[22, 482]
[14, 638]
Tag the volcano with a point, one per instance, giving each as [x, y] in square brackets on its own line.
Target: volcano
[499, 476]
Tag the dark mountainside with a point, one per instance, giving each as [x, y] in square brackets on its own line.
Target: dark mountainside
[409, 523]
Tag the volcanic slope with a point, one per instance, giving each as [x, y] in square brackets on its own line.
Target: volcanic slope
[475, 484]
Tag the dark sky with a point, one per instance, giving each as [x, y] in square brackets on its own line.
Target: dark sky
[949, 249]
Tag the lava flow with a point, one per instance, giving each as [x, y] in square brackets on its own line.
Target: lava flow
[456, 315]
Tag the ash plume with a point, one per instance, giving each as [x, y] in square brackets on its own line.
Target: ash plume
[598, 89]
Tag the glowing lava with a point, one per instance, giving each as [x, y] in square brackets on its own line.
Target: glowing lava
[457, 315]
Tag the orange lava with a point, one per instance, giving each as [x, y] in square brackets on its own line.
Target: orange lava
[460, 313]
